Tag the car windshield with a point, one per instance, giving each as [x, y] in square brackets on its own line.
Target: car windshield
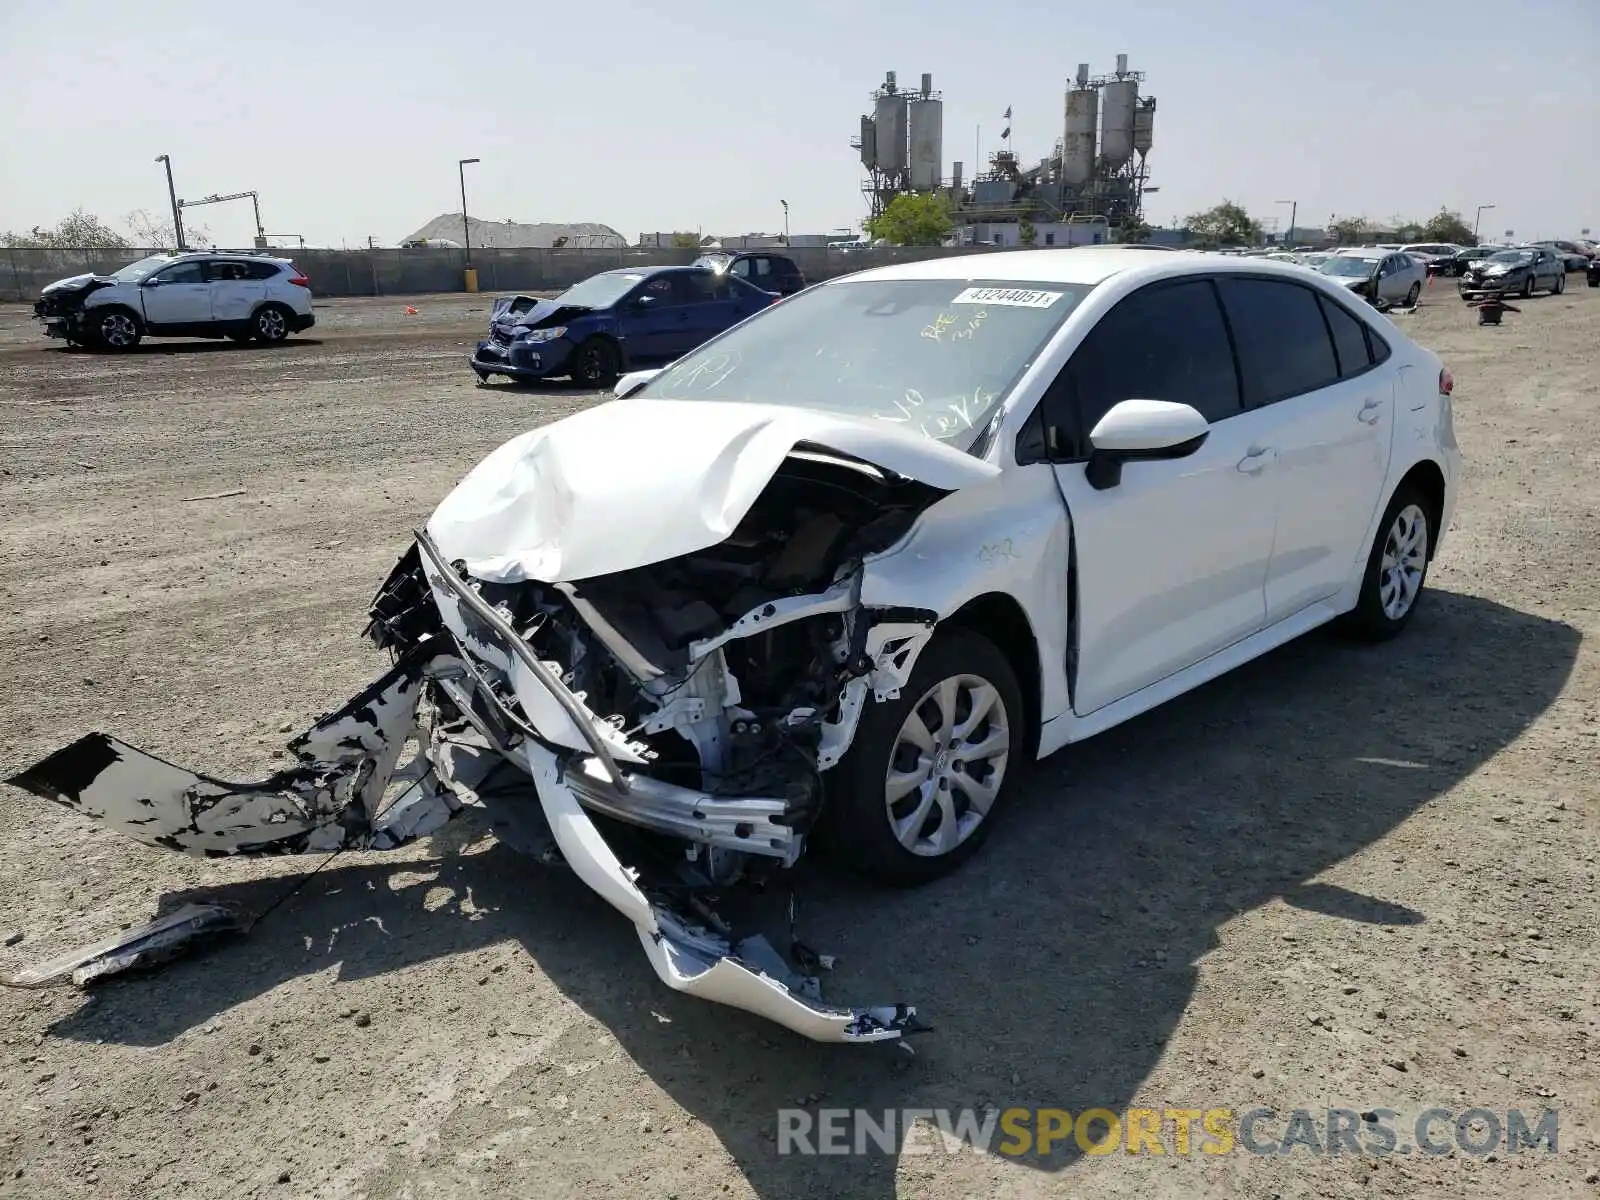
[714, 262]
[936, 355]
[1348, 267]
[601, 291]
[135, 271]
[1512, 256]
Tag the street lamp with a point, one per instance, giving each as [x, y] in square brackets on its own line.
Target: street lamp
[785, 204]
[1482, 208]
[172, 195]
[466, 230]
[1294, 209]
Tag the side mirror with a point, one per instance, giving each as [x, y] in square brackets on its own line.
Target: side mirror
[1142, 430]
[154, 281]
[633, 381]
[643, 301]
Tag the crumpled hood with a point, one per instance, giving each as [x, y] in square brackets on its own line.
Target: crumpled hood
[75, 282]
[633, 482]
[513, 312]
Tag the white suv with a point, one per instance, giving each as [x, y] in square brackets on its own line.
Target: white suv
[209, 294]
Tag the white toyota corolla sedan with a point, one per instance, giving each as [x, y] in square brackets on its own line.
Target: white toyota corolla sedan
[846, 568]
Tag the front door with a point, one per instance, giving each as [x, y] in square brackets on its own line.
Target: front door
[1316, 379]
[177, 295]
[1170, 562]
[649, 319]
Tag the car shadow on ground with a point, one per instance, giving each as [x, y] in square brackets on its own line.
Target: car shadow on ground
[1054, 966]
[206, 346]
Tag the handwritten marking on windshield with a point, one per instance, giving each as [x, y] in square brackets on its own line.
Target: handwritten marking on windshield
[935, 330]
[997, 550]
[707, 374]
[938, 420]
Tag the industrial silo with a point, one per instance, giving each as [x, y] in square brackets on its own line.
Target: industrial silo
[1144, 119]
[1117, 120]
[1077, 146]
[927, 143]
[889, 119]
[869, 143]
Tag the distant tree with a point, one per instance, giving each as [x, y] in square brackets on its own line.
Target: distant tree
[913, 220]
[1347, 231]
[1134, 230]
[1225, 225]
[79, 231]
[1028, 234]
[685, 241]
[152, 234]
[1446, 226]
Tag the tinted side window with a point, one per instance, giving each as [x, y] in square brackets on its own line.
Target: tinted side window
[1284, 347]
[763, 266]
[1379, 348]
[1349, 338]
[260, 270]
[189, 272]
[698, 287]
[741, 268]
[1166, 342]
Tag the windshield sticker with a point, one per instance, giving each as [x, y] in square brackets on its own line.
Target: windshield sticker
[1008, 297]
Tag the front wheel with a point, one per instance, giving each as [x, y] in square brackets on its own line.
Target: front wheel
[1527, 286]
[118, 329]
[594, 364]
[918, 792]
[1397, 567]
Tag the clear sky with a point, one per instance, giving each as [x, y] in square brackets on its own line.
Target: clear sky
[349, 117]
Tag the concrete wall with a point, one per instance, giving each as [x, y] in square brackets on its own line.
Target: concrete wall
[408, 272]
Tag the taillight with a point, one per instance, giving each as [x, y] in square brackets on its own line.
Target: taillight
[299, 277]
[1447, 381]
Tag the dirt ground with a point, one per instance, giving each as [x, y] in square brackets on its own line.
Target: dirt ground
[1343, 876]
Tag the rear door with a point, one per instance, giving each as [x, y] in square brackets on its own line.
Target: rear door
[706, 302]
[178, 295]
[1326, 401]
[236, 287]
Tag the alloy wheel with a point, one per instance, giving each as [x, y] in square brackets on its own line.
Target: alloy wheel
[947, 764]
[118, 330]
[1405, 559]
[271, 325]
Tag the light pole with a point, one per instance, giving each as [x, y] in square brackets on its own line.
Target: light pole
[1294, 209]
[466, 230]
[1482, 208]
[785, 204]
[172, 195]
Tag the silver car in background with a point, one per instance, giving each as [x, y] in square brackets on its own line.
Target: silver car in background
[1391, 276]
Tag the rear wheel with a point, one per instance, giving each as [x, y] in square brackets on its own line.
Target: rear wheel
[1527, 286]
[1411, 296]
[117, 329]
[1397, 567]
[270, 324]
[1561, 283]
[594, 364]
[921, 785]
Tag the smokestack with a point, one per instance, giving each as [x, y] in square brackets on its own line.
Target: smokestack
[955, 176]
[888, 81]
[927, 83]
[1122, 64]
[1083, 74]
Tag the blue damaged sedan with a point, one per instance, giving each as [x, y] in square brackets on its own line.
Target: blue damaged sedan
[613, 322]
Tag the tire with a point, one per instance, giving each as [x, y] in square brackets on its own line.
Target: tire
[1397, 568]
[1594, 281]
[594, 364]
[860, 816]
[270, 323]
[1411, 296]
[1528, 286]
[117, 329]
[1561, 284]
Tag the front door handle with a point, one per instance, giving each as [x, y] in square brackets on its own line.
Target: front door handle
[1256, 459]
[1370, 412]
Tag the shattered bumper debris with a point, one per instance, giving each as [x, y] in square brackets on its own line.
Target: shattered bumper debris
[482, 706]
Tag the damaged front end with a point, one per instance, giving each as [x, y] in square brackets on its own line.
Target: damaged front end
[665, 730]
[60, 307]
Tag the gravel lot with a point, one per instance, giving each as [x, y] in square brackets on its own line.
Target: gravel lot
[1342, 876]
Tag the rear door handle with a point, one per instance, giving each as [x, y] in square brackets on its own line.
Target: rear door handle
[1370, 412]
[1257, 459]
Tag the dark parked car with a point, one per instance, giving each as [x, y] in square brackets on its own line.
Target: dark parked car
[1568, 252]
[769, 272]
[1457, 264]
[1522, 269]
[612, 322]
[1594, 272]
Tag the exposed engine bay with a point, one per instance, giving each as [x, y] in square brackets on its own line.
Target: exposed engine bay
[61, 306]
[663, 730]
